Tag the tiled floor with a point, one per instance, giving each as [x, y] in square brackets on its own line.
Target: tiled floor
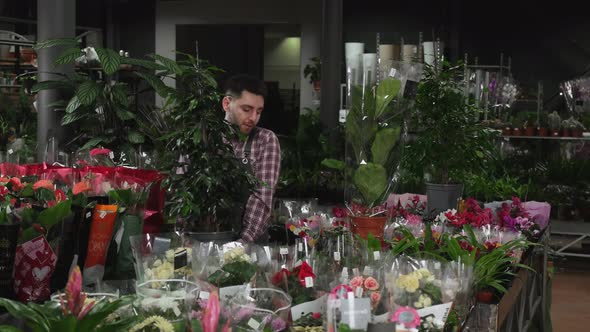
[570, 305]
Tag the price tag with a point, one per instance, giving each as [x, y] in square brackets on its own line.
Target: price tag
[356, 272]
[180, 259]
[284, 251]
[204, 295]
[337, 256]
[345, 272]
[253, 257]
[356, 312]
[253, 323]
[376, 255]
[437, 265]
[308, 282]
[300, 246]
[368, 271]
[10, 151]
[147, 162]
[111, 155]
[88, 214]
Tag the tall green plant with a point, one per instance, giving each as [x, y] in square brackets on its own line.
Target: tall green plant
[101, 106]
[450, 143]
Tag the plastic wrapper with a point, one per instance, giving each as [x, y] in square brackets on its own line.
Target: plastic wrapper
[161, 256]
[345, 311]
[577, 94]
[101, 231]
[263, 304]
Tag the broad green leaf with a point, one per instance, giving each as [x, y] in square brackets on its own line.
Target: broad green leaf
[70, 42]
[371, 181]
[197, 135]
[385, 140]
[68, 56]
[46, 85]
[142, 63]
[73, 104]
[64, 324]
[69, 118]
[170, 64]
[125, 115]
[54, 215]
[25, 313]
[119, 92]
[386, 91]
[122, 196]
[333, 164]
[135, 137]
[8, 328]
[87, 92]
[155, 82]
[93, 142]
[109, 60]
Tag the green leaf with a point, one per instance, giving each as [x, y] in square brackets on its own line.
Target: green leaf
[93, 142]
[47, 85]
[23, 312]
[135, 137]
[109, 60]
[385, 140]
[64, 324]
[371, 181]
[69, 118]
[155, 82]
[87, 92]
[333, 164]
[8, 328]
[73, 104]
[197, 135]
[142, 63]
[386, 91]
[119, 92]
[68, 56]
[125, 115]
[170, 64]
[101, 311]
[55, 214]
[70, 42]
[121, 196]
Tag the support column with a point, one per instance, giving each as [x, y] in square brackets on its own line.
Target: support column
[331, 61]
[56, 19]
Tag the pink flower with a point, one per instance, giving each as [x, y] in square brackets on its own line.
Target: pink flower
[98, 151]
[75, 297]
[211, 315]
[16, 184]
[357, 282]
[375, 298]
[316, 315]
[413, 219]
[371, 283]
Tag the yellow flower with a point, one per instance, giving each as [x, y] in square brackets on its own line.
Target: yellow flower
[160, 323]
[409, 282]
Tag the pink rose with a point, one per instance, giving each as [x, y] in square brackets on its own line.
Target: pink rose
[356, 282]
[375, 297]
[371, 283]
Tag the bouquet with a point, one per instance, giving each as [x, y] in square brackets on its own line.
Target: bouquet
[237, 267]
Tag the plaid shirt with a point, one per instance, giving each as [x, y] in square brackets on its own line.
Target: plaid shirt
[265, 159]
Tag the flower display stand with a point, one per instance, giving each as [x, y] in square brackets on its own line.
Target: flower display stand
[525, 301]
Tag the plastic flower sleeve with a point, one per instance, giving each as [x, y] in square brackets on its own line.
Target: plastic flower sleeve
[161, 256]
[260, 307]
[345, 312]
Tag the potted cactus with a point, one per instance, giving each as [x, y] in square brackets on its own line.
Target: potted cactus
[516, 124]
[554, 121]
[566, 127]
[541, 124]
[576, 127]
[529, 125]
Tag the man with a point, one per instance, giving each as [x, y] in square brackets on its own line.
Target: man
[243, 103]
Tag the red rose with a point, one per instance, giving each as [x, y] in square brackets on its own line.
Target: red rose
[305, 271]
[280, 276]
[316, 315]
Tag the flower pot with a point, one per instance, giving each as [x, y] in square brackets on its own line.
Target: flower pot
[441, 197]
[529, 131]
[542, 132]
[485, 296]
[516, 132]
[365, 225]
[566, 132]
[316, 86]
[576, 133]
[506, 131]
[8, 240]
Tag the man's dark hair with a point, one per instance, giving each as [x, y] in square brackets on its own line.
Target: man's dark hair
[236, 84]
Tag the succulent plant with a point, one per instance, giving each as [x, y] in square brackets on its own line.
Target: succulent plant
[554, 121]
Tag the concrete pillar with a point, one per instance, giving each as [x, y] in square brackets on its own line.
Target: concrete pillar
[331, 61]
[56, 19]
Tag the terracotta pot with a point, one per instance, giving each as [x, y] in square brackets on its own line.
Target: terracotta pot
[529, 131]
[555, 133]
[516, 132]
[542, 132]
[484, 296]
[507, 131]
[316, 85]
[566, 132]
[576, 133]
[365, 225]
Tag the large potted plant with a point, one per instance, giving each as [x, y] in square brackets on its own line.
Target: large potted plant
[208, 186]
[450, 144]
[373, 133]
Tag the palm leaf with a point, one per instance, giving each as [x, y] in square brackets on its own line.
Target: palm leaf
[109, 60]
[170, 64]
[71, 42]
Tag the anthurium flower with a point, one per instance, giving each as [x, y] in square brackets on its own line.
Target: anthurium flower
[4, 180]
[304, 272]
[60, 196]
[98, 151]
[47, 184]
[81, 187]
[16, 184]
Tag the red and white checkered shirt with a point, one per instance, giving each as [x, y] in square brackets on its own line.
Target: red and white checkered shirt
[265, 159]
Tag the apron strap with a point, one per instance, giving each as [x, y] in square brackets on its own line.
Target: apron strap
[248, 146]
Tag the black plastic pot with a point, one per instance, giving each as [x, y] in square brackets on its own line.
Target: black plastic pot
[8, 241]
[442, 197]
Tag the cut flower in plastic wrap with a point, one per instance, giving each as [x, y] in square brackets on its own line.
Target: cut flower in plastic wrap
[225, 265]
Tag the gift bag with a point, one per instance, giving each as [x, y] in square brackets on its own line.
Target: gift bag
[34, 264]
